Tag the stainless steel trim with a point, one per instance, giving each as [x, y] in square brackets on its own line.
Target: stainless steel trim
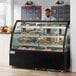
[12, 52]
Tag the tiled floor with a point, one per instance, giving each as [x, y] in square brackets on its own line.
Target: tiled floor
[25, 72]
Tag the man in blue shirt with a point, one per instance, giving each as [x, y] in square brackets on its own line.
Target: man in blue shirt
[49, 17]
[48, 14]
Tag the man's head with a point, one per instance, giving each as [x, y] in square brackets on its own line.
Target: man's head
[48, 12]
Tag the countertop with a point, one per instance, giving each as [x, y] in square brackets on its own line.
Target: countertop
[5, 32]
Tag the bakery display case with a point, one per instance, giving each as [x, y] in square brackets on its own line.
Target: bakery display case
[39, 44]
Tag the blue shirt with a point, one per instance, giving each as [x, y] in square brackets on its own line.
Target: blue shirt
[50, 18]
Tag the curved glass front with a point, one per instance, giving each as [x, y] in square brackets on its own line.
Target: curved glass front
[39, 36]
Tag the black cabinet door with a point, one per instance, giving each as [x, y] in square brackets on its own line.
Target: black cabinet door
[36, 59]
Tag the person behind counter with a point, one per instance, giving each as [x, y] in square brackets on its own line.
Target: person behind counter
[48, 15]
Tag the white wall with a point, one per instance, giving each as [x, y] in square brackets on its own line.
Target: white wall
[2, 14]
[73, 35]
[6, 12]
[9, 13]
[3, 1]
[44, 3]
[5, 38]
[4, 49]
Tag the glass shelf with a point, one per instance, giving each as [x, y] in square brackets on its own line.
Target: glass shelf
[41, 45]
[35, 35]
[46, 27]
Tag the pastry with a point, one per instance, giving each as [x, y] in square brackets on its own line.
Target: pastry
[59, 50]
[22, 48]
[31, 48]
[38, 33]
[47, 49]
[61, 34]
[31, 24]
[54, 42]
[64, 25]
[22, 39]
[31, 33]
[43, 41]
[39, 24]
[61, 42]
[44, 34]
[57, 25]
[48, 24]
[23, 24]
[23, 33]
[47, 34]
[28, 40]
[53, 34]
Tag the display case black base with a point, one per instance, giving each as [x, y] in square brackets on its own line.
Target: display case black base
[38, 59]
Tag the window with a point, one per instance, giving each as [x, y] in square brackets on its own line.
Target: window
[2, 14]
